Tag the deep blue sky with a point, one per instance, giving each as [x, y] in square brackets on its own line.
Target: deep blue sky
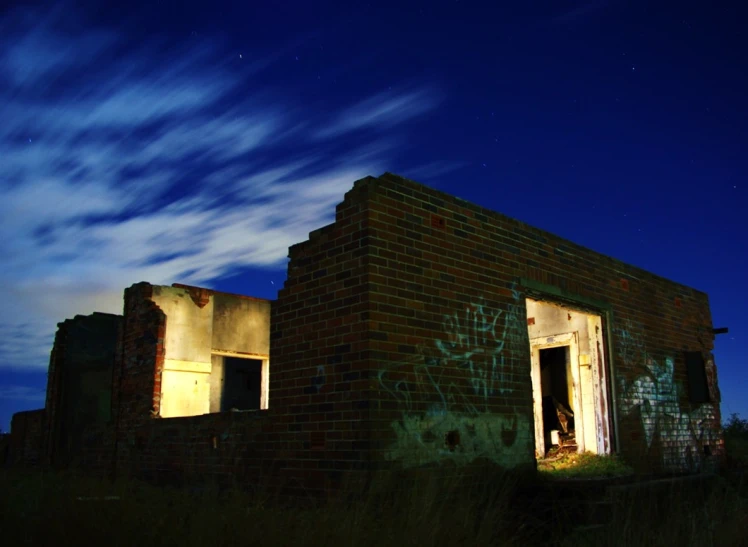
[194, 142]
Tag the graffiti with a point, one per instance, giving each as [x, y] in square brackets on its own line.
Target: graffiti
[425, 439]
[476, 343]
[318, 380]
[655, 394]
[473, 341]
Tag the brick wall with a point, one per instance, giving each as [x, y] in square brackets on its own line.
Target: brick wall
[399, 341]
[79, 387]
[438, 262]
[137, 373]
[26, 437]
[400, 338]
[319, 348]
[54, 373]
[451, 363]
[250, 448]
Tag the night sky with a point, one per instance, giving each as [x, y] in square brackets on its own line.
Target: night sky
[194, 142]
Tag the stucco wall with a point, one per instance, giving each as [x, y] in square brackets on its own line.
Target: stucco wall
[241, 324]
[199, 322]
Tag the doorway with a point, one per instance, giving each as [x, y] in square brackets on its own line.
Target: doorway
[570, 393]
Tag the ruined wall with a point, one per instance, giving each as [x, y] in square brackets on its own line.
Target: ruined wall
[447, 286]
[201, 322]
[4, 449]
[173, 329]
[320, 372]
[79, 390]
[185, 381]
[26, 438]
[399, 341]
[136, 397]
[241, 324]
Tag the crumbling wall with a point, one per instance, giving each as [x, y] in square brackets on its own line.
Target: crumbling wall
[138, 370]
[319, 347]
[26, 438]
[400, 341]
[79, 390]
[4, 449]
[204, 328]
[160, 331]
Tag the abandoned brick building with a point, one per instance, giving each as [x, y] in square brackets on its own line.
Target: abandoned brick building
[417, 329]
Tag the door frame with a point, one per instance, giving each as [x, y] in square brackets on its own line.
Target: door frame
[570, 339]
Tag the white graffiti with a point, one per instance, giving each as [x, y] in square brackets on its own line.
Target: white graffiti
[460, 426]
[476, 339]
[682, 435]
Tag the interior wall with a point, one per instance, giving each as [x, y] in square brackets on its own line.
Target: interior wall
[193, 378]
[241, 324]
[185, 381]
[189, 327]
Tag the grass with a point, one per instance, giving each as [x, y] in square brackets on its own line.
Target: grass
[584, 466]
[43, 508]
[736, 441]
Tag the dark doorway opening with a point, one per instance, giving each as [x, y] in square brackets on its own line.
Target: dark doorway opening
[557, 394]
[242, 384]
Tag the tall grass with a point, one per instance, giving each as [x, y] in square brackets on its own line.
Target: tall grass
[43, 508]
[736, 441]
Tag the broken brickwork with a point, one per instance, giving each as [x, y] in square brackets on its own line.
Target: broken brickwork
[26, 438]
[79, 390]
[402, 340]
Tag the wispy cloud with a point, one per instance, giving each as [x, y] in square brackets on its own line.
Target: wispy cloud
[155, 166]
[382, 111]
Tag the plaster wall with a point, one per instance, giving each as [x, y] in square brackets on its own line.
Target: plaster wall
[185, 384]
[241, 324]
[199, 323]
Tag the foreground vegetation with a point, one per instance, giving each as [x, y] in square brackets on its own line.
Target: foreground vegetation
[39, 508]
[736, 441]
[583, 466]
